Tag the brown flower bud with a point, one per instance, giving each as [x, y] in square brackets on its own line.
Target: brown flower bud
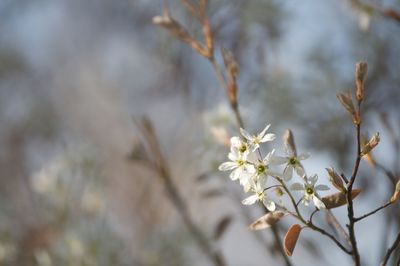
[371, 144]
[336, 180]
[208, 36]
[361, 72]
[396, 194]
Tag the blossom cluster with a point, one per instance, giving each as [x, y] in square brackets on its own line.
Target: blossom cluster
[253, 170]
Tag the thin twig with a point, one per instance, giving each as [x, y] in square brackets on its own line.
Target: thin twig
[222, 81]
[390, 250]
[356, 219]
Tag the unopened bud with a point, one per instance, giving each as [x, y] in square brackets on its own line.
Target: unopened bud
[288, 141]
[208, 36]
[396, 194]
[361, 73]
[336, 180]
[371, 144]
[278, 192]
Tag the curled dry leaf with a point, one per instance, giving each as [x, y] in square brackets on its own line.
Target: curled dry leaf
[267, 220]
[291, 237]
[338, 199]
[336, 180]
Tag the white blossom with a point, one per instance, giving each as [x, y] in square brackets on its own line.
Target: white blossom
[259, 195]
[238, 164]
[292, 161]
[255, 140]
[310, 191]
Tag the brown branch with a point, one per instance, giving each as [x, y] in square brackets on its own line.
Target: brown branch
[350, 208]
[390, 251]
[223, 84]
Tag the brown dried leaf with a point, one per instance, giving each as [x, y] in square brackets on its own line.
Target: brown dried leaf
[336, 180]
[267, 220]
[372, 143]
[221, 227]
[347, 102]
[291, 237]
[338, 199]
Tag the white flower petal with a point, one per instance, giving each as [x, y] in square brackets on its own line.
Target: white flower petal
[262, 133]
[235, 141]
[276, 160]
[268, 137]
[250, 168]
[297, 186]
[233, 155]
[299, 170]
[246, 134]
[303, 156]
[235, 174]
[250, 200]
[318, 203]
[288, 173]
[227, 166]
[289, 151]
[312, 179]
[269, 204]
[322, 187]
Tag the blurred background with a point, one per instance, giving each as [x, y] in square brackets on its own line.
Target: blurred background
[77, 179]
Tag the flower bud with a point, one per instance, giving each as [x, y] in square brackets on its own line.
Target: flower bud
[336, 180]
[396, 194]
[371, 144]
[361, 72]
[288, 141]
[278, 192]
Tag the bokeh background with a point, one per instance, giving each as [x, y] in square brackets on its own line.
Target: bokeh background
[76, 78]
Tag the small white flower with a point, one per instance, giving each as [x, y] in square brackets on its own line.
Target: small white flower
[238, 164]
[310, 191]
[239, 144]
[259, 195]
[255, 140]
[292, 161]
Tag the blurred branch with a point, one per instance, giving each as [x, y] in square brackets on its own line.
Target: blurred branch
[390, 251]
[158, 163]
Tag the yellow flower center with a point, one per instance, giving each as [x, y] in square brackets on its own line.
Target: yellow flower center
[261, 169]
[310, 191]
[293, 161]
[243, 148]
